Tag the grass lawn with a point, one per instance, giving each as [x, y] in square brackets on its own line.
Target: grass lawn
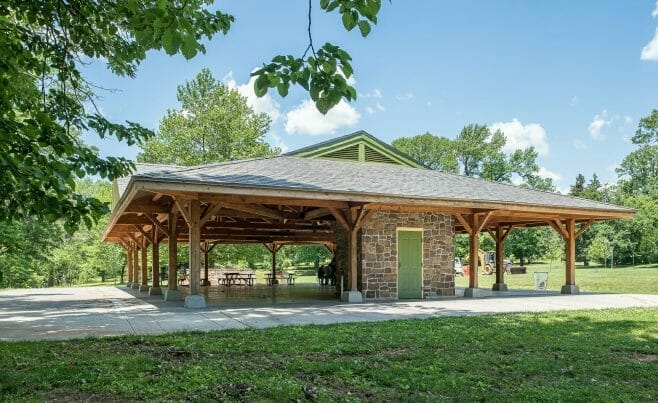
[631, 279]
[609, 355]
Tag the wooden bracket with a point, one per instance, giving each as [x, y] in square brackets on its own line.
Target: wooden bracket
[583, 228]
[464, 223]
[209, 213]
[559, 227]
[339, 217]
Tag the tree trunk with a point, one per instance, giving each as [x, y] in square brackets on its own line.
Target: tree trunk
[522, 258]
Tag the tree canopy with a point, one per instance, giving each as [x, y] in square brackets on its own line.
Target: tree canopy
[213, 124]
[45, 101]
[476, 152]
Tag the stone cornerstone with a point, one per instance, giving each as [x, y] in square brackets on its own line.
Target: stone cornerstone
[377, 248]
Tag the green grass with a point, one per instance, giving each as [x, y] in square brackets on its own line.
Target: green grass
[609, 355]
[631, 279]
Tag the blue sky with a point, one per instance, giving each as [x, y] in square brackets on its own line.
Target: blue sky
[570, 78]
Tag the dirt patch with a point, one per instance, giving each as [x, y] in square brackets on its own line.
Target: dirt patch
[644, 357]
[167, 353]
[67, 395]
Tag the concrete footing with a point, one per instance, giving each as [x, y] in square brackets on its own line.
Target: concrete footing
[474, 293]
[134, 286]
[351, 297]
[570, 289]
[155, 291]
[499, 287]
[205, 282]
[195, 301]
[144, 288]
[172, 295]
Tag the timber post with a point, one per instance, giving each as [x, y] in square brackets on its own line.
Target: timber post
[206, 251]
[129, 264]
[473, 229]
[144, 287]
[155, 263]
[500, 236]
[570, 286]
[135, 284]
[172, 293]
[194, 299]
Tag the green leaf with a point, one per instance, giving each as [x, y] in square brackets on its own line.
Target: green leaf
[189, 47]
[282, 89]
[349, 20]
[364, 27]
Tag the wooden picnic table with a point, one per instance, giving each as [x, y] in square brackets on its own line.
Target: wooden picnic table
[237, 278]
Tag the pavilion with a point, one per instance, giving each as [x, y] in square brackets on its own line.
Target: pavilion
[389, 221]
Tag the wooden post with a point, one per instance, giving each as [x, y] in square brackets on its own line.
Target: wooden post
[135, 266]
[129, 263]
[500, 260]
[474, 246]
[570, 257]
[352, 251]
[206, 252]
[173, 250]
[144, 285]
[155, 262]
[273, 251]
[194, 299]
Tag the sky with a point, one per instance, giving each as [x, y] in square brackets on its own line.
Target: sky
[570, 78]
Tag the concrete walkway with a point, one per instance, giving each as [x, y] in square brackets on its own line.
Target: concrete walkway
[64, 313]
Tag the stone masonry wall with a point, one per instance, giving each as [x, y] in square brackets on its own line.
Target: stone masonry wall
[378, 253]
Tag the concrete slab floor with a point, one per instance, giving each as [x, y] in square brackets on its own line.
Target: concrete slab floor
[65, 313]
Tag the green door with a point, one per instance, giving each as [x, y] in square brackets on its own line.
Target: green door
[410, 264]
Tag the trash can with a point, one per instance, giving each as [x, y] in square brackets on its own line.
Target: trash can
[541, 280]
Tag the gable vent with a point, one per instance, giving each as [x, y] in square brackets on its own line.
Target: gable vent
[350, 153]
[375, 156]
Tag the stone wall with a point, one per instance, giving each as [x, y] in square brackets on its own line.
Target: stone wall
[377, 257]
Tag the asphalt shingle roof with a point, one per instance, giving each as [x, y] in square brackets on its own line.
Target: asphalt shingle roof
[319, 175]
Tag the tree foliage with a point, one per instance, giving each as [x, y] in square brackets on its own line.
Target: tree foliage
[213, 124]
[45, 100]
[476, 152]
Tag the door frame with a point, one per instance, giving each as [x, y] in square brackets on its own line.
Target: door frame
[397, 257]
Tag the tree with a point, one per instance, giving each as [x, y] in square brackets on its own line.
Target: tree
[527, 244]
[638, 172]
[213, 124]
[432, 151]
[45, 100]
[475, 152]
[577, 188]
[647, 130]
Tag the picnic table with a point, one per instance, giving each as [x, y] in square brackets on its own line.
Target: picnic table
[290, 278]
[237, 278]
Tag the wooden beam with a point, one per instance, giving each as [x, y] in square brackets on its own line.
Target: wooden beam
[209, 213]
[507, 232]
[364, 215]
[172, 220]
[194, 241]
[473, 250]
[464, 223]
[158, 224]
[315, 213]
[557, 226]
[583, 228]
[483, 221]
[340, 218]
[183, 210]
[570, 252]
[258, 210]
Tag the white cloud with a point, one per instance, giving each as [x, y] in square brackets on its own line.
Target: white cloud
[654, 13]
[520, 136]
[370, 110]
[376, 93]
[377, 107]
[546, 174]
[305, 118]
[575, 100]
[650, 52]
[628, 120]
[277, 141]
[598, 123]
[579, 144]
[405, 97]
[264, 104]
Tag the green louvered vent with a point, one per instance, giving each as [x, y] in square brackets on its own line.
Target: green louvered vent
[350, 153]
[375, 156]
